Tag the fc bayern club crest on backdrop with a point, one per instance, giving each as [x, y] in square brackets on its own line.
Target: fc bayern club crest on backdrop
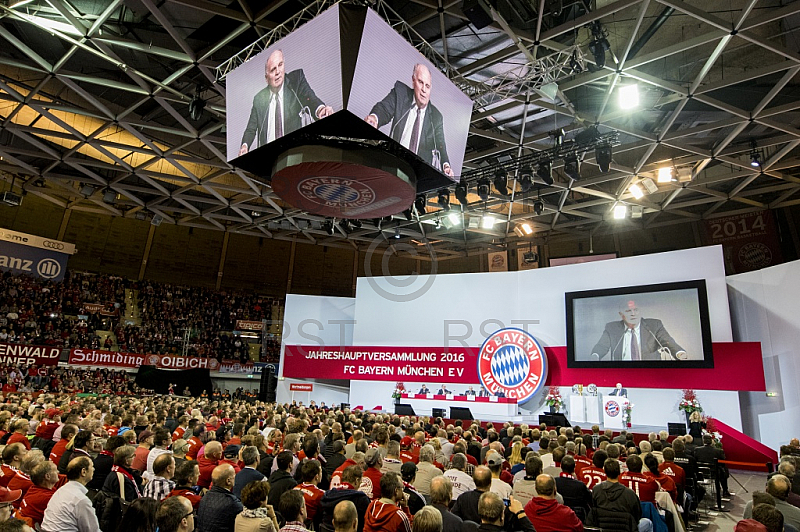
[513, 362]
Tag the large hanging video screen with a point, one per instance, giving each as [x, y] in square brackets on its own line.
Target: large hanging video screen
[662, 325]
[293, 83]
[397, 90]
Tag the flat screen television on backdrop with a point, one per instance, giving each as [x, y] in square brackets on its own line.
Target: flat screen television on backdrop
[660, 325]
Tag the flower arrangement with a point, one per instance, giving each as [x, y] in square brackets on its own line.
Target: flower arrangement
[627, 408]
[399, 390]
[554, 398]
[689, 402]
[711, 429]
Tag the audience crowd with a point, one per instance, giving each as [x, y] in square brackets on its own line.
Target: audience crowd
[181, 464]
[68, 315]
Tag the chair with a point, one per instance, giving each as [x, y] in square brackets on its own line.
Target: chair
[709, 472]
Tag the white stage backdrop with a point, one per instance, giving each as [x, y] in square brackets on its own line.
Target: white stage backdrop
[451, 310]
[764, 309]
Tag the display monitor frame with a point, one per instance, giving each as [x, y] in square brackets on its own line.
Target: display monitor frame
[693, 323]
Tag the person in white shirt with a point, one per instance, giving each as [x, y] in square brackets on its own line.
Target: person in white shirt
[162, 438]
[70, 510]
[461, 481]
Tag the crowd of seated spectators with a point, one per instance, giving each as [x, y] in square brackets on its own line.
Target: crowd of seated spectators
[56, 379]
[38, 312]
[239, 465]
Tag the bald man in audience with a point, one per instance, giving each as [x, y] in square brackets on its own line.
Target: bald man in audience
[778, 486]
[219, 506]
[345, 517]
[209, 461]
[546, 513]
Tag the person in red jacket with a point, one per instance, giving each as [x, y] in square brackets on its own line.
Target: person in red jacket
[644, 487]
[336, 476]
[312, 475]
[545, 512]
[20, 435]
[67, 432]
[370, 482]
[45, 478]
[665, 482]
[211, 459]
[390, 512]
[12, 459]
[186, 476]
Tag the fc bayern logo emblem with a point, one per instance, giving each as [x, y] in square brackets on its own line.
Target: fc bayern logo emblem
[153, 360]
[336, 191]
[612, 409]
[513, 363]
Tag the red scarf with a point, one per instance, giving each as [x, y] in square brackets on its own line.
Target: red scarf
[107, 453]
[126, 473]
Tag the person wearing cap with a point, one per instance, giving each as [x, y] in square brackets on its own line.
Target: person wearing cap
[390, 512]
[415, 500]
[69, 509]
[146, 438]
[44, 478]
[7, 500]
[406, 455]
[371, 480]
[426, 470]
[495, 462]
[249, 472]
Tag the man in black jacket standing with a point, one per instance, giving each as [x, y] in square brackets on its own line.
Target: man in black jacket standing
[441, 494]
[281, 480]
[219, 507]
[614, 506]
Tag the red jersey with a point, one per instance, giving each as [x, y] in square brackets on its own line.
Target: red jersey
[371, 483]
[19, 438]
[6, 474]
[313, 496]
[407, 456]
[644, 487]
[591, 476]
[58, 450]
[336, 476]
[178, 434]
[581, 462]
[194, 447]
[20, 481]
[46, 430]
[189, 494]
[34, 502]
[675, 472]
[666, 483]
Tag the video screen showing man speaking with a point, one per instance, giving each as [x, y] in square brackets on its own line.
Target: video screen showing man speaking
[653, 326]
[404, 96]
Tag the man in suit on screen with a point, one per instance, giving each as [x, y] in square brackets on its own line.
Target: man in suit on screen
[416, 123]
[286, 104]
[634, 338]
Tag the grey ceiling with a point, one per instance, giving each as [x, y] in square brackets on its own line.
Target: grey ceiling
[97, 93]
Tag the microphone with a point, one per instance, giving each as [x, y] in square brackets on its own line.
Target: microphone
[661, 348]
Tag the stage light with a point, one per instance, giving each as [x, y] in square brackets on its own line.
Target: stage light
[524, 229]
[620, 212]
[454, 218]
[665, 174]
[545, 172]
[109, 196]
[397, 232]
[488, 221]
[501, 182]
[538, 206]
[550, 90]
[602, 156]
[755, 159]
[526, 178]
[461, 193]
[572, 167]
[628, 96]
[196, 106]
[443, 199]
[649, 185]
[39, 183]
[420, 204]
[483, 188]
[157, 219]
[598, 46]
[574, 64]
[636, 191]
[636, 212]
[86, 190]
[327, 226]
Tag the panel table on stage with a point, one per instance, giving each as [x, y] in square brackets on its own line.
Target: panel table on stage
[613, 416]
[585, 408]
[491, 408]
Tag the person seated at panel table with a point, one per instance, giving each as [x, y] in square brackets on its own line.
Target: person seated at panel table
[424, 390]
[483, 392]
[443, 390]
[470, 391]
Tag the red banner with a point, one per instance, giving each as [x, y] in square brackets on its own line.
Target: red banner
[749, 241]
[113, 359]
[295, 387]
[248, 325]
[436, 364]
[29, 354]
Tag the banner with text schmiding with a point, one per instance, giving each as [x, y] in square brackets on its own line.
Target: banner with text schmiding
[113, 359]
[40, 355]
